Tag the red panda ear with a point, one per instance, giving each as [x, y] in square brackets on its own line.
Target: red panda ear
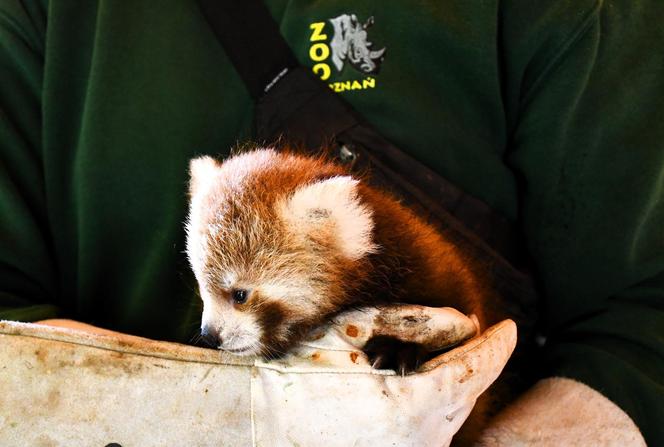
[201, 172]
[331, 207]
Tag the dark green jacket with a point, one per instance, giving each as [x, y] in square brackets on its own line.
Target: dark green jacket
[550, 111]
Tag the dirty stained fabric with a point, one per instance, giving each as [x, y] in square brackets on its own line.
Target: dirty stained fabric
[64, 387]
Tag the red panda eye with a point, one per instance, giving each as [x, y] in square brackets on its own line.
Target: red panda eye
[239, 296]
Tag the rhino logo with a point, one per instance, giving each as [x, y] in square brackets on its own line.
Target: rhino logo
[350, 43]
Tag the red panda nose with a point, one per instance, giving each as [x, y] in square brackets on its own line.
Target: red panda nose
[210, 336]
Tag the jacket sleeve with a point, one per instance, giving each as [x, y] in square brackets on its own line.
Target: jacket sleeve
[586, 116]
[27, 272]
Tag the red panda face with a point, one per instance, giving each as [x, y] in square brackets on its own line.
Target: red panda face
[270, 238]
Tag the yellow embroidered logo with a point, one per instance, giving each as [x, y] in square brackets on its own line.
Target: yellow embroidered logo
[350, 46]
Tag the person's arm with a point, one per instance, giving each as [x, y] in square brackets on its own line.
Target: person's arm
[562, 412]
[28, 281]
[586, 82]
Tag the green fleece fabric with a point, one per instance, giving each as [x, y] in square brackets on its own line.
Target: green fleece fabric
[549, 111]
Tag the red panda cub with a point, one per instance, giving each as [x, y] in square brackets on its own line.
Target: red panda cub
[280, 243]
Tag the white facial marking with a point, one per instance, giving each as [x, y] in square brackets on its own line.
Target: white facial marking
[228, 279]
[333, 201]
[239, 331]
[296, 292]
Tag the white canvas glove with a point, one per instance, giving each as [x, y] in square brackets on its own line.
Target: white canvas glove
[66, 387]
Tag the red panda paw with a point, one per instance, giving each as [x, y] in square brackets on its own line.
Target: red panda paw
[386, 352]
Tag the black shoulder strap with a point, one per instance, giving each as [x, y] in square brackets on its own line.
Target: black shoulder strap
[252, 41]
